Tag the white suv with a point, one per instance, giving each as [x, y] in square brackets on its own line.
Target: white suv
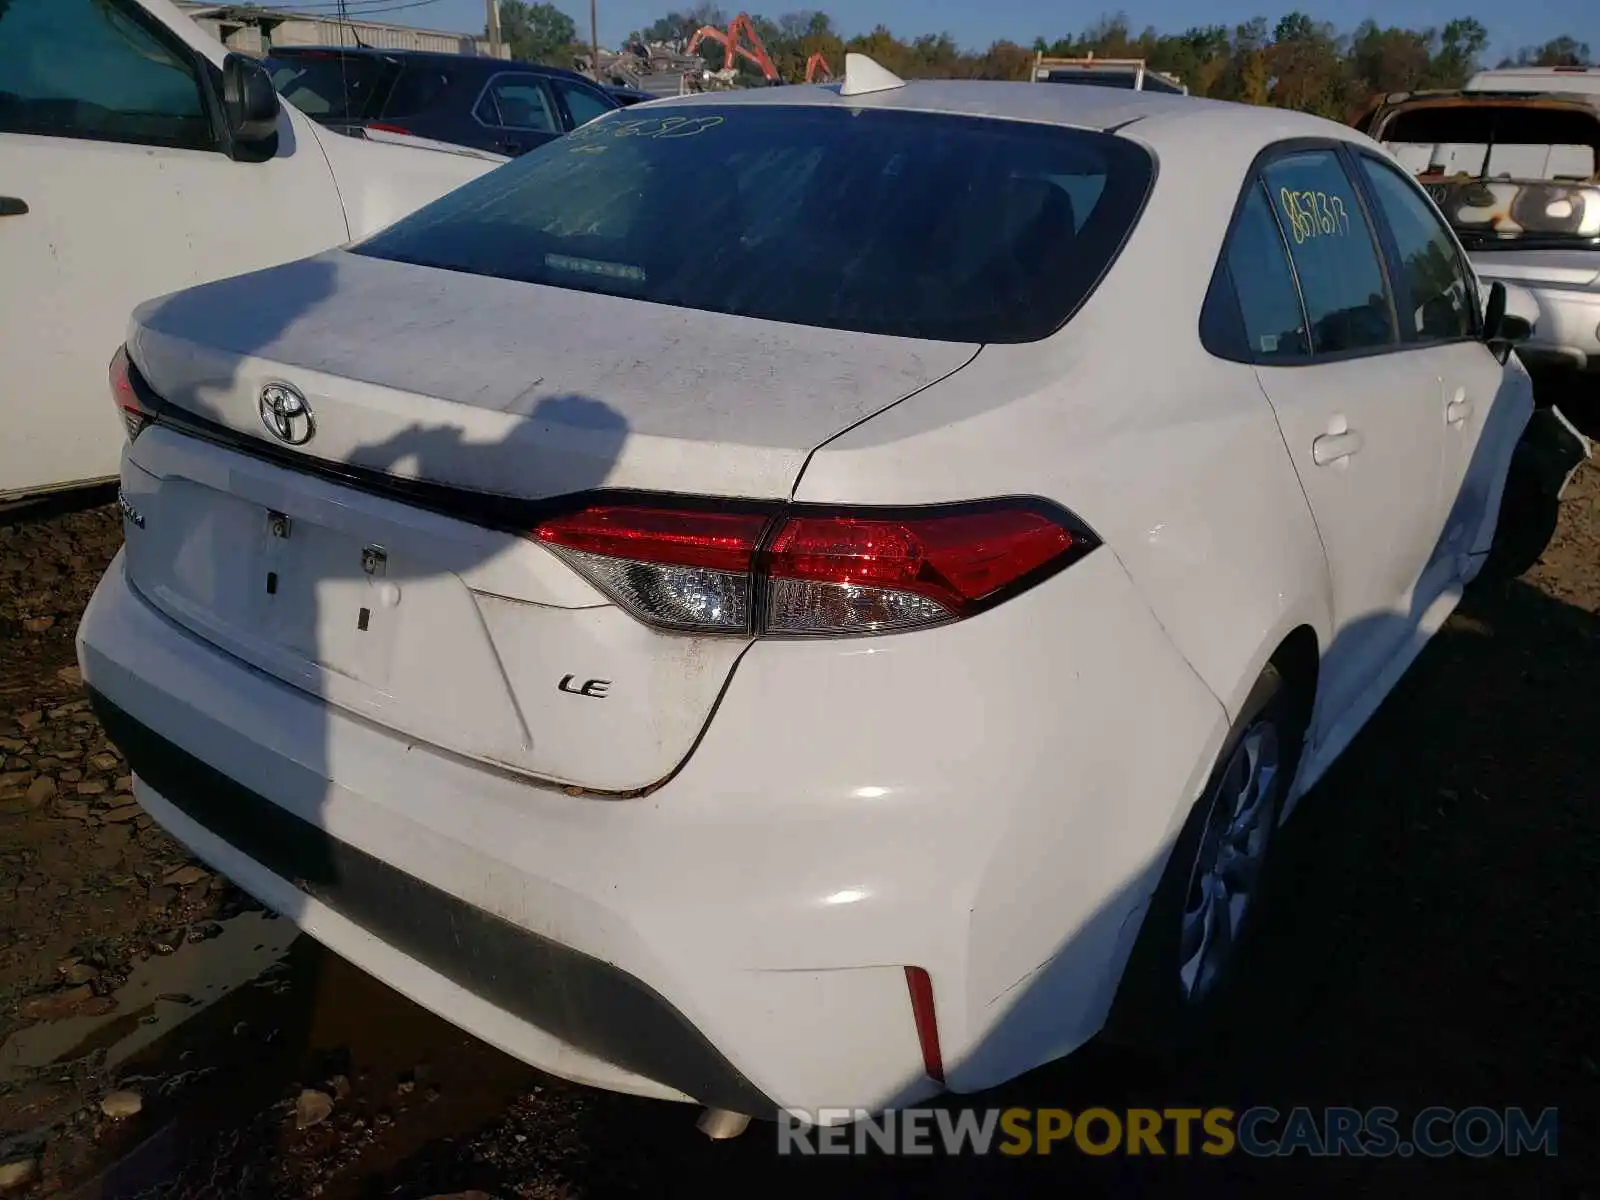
[138, 156]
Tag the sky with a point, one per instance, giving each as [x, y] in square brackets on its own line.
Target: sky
[976, 23]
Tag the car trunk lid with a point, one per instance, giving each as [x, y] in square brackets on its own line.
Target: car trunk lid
[334, 566]
[522, 389]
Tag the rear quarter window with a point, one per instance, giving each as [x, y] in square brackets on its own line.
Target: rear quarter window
[421, 89]
[330, 86]
[911, 224]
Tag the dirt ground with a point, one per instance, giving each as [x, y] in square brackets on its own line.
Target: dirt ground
[1434, 940]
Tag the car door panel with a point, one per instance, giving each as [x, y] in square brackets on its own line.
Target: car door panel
[1362, 422]
[71, 277]
[1482, 407]
[128, 197]
[1368, 456]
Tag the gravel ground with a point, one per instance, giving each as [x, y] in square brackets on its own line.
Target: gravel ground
[1435, 939]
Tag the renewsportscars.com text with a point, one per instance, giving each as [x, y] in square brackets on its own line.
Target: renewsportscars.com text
[1262, 1132]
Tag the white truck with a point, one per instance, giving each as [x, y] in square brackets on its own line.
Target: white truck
[1572, 80]
[137, 157]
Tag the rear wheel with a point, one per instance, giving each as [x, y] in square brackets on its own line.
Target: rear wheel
[1185, 962]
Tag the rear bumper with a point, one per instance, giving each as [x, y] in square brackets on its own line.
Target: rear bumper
[590, 1005]
[992, 801]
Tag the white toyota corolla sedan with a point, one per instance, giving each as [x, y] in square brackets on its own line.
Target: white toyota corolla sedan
[779, 598]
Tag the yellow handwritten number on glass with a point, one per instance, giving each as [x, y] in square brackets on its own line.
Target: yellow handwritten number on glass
[1313, 214]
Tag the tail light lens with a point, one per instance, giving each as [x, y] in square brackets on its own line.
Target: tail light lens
[385, 127]
[853, 574]
[135, 416]
[675, 568]
[815, 573]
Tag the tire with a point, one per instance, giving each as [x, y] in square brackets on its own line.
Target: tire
[1178, 979]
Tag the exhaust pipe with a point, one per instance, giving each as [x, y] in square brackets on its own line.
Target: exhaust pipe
[719, 1124]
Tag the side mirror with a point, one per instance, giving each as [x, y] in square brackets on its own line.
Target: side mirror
[1514, 329]
[1508, 318]
[249, 101]
[1494, 312]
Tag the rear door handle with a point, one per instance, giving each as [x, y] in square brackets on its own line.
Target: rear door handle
[1334, 447]
[13, 206]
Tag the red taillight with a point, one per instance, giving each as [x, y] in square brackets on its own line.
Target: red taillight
[818, 573]
[385, 127]
[680, 538]
[856, 573]
[134, 414]
[921, 989]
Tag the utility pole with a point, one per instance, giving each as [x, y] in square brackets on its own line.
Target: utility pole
[493, 26]
[594, 40]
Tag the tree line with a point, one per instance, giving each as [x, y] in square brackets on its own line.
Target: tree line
[1298, 62]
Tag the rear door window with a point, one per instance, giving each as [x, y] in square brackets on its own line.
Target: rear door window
[420, 89]
[1438, 298]
[518, 102]
[1334, 252]
[584, 103]
[913, 224]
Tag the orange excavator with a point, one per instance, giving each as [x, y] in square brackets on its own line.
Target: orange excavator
[740, 40]
[750, 47]
[817, 69]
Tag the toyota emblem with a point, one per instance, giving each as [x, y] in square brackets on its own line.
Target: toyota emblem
[286, 414]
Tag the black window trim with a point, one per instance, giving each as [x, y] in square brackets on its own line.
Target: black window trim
[1255, 177]
[200, 69]
[544, 84]
[1391, 245]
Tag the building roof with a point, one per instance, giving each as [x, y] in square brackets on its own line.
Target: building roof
[251, 14]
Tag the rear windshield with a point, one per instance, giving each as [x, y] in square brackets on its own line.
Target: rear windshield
[328, 86]
[1506, 175]
[1496, 140]
[911, 224]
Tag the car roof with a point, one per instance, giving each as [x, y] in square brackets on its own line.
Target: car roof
[1101, 109]
[483, 61]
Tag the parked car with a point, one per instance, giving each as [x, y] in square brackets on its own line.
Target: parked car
[489, 103]
[1517, 174]
[813, 695]
[127, 174]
